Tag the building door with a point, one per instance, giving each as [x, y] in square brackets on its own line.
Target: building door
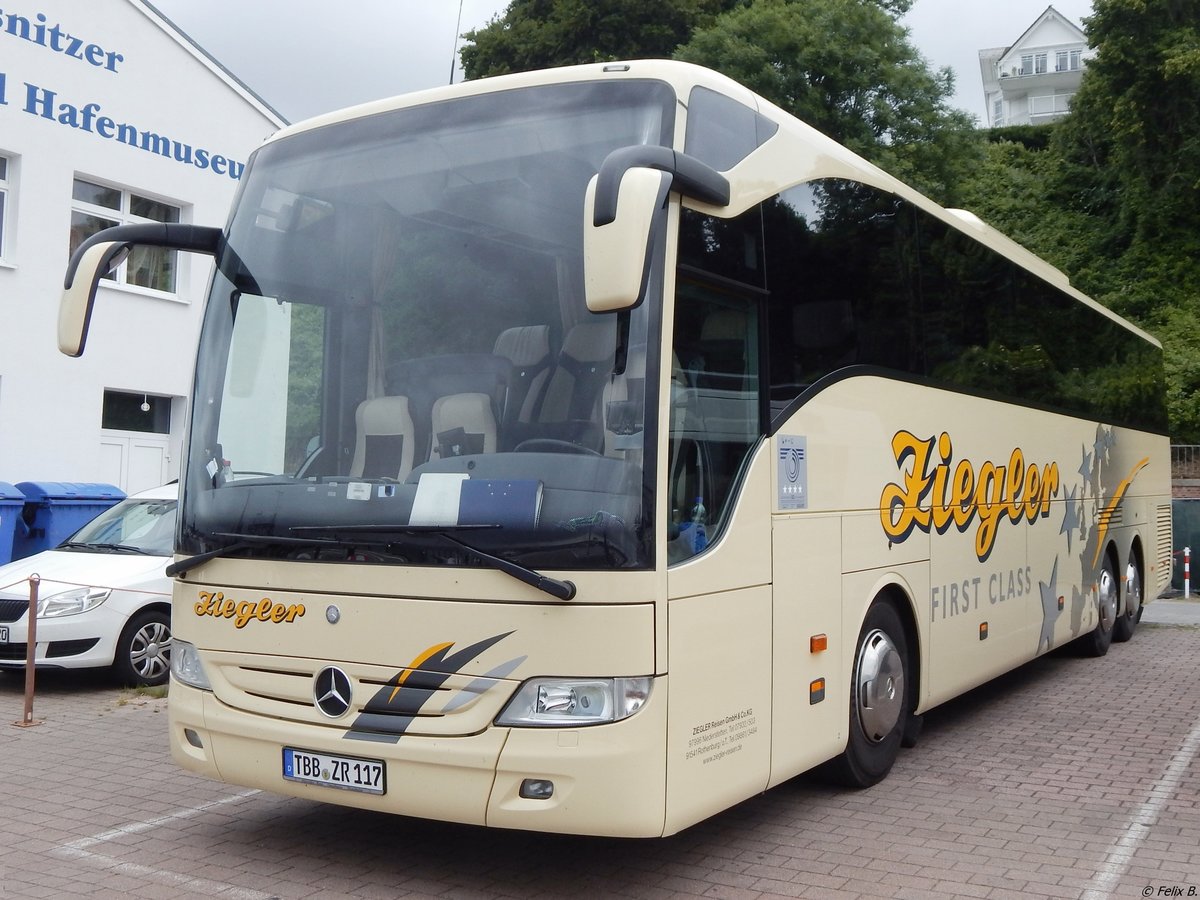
[135, 441]
[135, 462]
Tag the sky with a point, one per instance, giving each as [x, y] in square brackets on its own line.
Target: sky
[306, 57]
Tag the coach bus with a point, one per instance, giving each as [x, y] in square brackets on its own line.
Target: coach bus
[590, 450]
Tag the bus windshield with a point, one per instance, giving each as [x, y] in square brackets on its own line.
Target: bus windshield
[396, 347]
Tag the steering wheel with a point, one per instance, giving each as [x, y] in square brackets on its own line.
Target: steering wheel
[552, 445]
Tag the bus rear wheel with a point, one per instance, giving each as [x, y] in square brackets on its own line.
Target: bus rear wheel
[1128, 619]
[879, 699]
[1097, 641]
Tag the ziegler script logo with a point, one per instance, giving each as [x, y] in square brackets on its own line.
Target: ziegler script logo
[935, 493]
[243, 612]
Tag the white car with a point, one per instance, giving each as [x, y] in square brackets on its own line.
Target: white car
[103, 597]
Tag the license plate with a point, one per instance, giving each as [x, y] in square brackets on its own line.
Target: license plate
[349, 773]
[3, 634]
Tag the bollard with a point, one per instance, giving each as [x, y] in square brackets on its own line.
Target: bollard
[1187, 573]
[27, 720]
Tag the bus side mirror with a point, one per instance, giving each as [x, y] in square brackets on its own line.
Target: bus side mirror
[79, 293]
[616, 255]
[103, 252]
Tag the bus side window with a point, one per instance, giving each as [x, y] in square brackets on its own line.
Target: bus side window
[715, 418]
[840, 261]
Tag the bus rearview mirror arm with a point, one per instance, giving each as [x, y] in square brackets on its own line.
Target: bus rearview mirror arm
[103, 252]
[689, 176]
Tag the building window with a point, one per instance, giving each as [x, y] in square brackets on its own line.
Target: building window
[1076, 60]
[123, 411]
[97, 206]
[1039, 64]
[1061, 60]
[3, 204]
[1027, 65]
[997, 113]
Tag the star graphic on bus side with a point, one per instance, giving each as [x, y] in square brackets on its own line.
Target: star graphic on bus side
[1070, 517]
[1049, 609]
[1085, 467]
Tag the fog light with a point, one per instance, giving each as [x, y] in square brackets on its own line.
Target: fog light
[193, 738]
[537, 789]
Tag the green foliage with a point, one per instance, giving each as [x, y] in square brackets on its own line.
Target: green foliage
[1031, 137]
[540, 34]
[847, 68]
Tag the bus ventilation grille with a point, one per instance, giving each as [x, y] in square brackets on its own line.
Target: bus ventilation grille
[1163, 540]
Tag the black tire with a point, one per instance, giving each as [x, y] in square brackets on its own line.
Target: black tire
[880, 705]
[143, 657]
[1097, 641]
[1131, 613]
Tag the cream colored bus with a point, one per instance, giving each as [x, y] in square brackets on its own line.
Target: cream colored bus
[590, 450]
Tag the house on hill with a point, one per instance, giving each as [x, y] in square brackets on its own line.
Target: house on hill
[1033, 80]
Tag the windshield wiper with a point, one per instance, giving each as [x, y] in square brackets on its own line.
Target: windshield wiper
[99, 545]
[242, 541]
[561, 590]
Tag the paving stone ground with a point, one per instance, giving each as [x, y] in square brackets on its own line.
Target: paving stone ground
[1069, 778]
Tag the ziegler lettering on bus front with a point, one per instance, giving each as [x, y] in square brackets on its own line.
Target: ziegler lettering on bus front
[932, 495]
[217, 605]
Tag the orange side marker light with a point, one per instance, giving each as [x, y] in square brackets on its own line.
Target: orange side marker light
[816, 691]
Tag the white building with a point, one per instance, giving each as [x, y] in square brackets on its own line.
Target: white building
[1033, 81]
[108, 115]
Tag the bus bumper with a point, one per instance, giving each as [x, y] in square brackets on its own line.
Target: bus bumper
[607, 779]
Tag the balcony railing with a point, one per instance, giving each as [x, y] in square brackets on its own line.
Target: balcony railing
[1050, 105]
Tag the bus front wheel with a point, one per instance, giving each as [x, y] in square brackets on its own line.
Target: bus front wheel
[879, 699]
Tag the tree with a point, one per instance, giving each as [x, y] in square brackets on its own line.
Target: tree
[846, 67]
[539, 34]
[1136, 118]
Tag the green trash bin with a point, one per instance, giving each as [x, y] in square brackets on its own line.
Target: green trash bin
[55, 510]
[1185, 528]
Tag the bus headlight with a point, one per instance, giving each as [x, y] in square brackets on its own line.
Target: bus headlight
[72, 602]
[574, 702]
[186, 666]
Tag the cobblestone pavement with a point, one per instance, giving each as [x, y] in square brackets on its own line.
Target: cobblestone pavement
[1070, 778]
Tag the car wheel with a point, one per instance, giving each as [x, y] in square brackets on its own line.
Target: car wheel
[143, 656]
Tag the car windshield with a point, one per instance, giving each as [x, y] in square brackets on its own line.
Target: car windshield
[133, 526]
[397, 342]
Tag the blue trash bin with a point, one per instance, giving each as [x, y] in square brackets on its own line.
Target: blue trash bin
[55, 510]
[11, 503]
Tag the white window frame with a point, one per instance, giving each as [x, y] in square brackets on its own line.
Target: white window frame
[6, 203]
[1062, 60]
[1040, 61]
[124, 216]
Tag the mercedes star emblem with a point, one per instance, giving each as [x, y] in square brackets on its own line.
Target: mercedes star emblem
[332, 691]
